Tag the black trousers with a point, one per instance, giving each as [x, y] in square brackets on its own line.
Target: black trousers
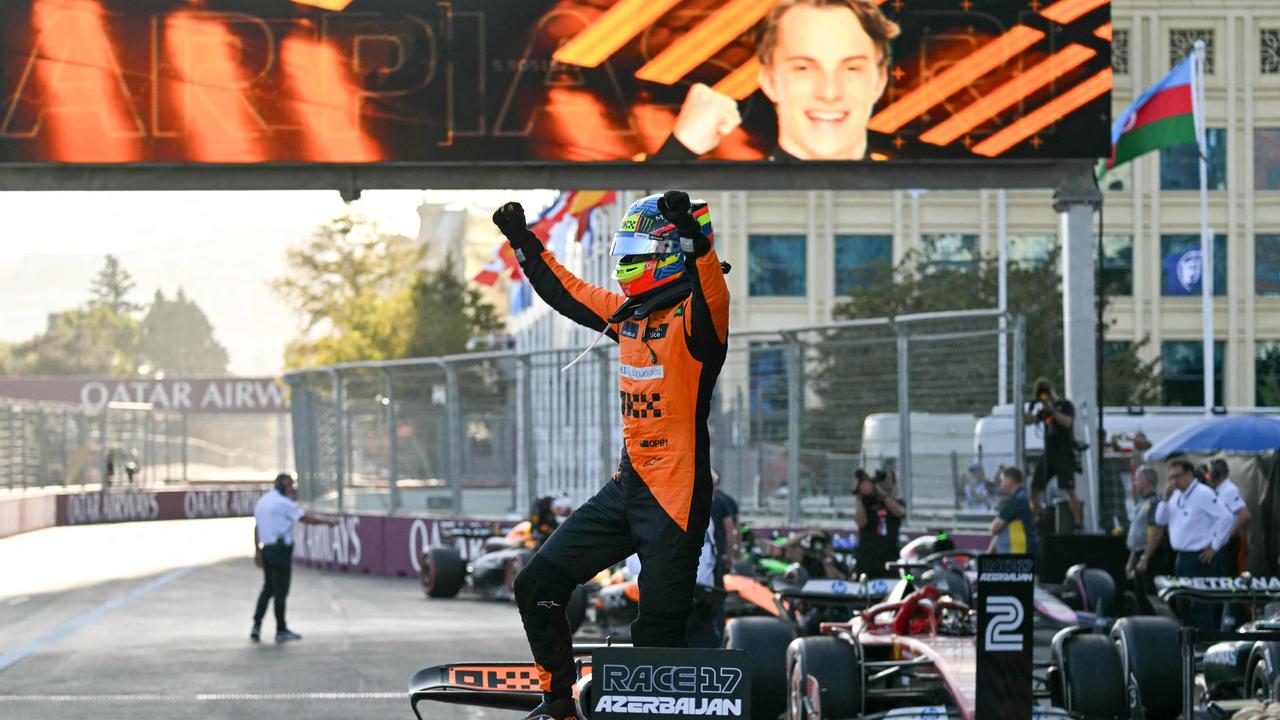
[622, 518]
[277, 571]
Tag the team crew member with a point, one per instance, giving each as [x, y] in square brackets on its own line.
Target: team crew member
[1014, 529]
[672, 323]
[1143, 534]
[1056, 416]
[1198, 526]
[274, 516]
[546, 516]
[1229, 495]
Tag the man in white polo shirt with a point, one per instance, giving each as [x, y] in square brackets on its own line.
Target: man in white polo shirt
[1198, 526]
[274, 516]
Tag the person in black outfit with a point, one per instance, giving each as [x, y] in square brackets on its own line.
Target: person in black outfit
[724, 524]
[1056, 416]
[879, 516]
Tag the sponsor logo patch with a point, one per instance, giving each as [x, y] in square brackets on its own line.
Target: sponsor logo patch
[660, 442]
[656, 333]
[630, 330]
[652, 372]
[641, 405]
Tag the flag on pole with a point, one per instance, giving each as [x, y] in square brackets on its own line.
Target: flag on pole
[504, 260]
[1161, 117]
[568, 217]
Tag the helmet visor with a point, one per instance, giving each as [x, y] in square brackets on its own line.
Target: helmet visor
[637, 243]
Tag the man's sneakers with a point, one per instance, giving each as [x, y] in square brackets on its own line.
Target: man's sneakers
[256, 634]
[286, 636]
[554, 709]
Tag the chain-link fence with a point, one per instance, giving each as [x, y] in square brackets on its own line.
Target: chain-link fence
[795, 413]
[45, 444]
[53, 444]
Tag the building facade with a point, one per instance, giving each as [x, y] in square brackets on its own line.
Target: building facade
[797, 253]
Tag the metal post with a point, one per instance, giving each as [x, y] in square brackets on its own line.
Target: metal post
[26, 463]
[66, 442]
[1019, 383]
[606, 402]
[526, 459]
[795, 404]
[904, 419]
[393, 468]
[186, 444]
[340, 458]
[1075, 207]
[1003, 297]
[453, 418]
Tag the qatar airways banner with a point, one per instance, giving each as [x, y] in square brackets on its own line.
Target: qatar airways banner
[388, 545]
[198, 395]
[113, 506]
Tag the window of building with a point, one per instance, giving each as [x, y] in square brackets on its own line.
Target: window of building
[768, 386]
[776, 265]
[1269, 51]
[1120, 52]
[1266, 266]
[1182, 365]
[1180, 265]
[1266, 159]
[1117, 264]
[860, 260]
[1031, 250]
[1180, 164]
[1267, 372]
[949, 251]
[1182, 42]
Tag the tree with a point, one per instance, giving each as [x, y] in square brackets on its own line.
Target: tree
[92, 340]
[854, 370]
[447, 313]
[350, 283]
[177, 338]
[1268, 376]
[111, 288]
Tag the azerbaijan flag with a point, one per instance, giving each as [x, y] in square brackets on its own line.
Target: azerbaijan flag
[1160, 117]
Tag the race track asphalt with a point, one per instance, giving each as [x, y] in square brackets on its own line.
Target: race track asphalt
[150, 621]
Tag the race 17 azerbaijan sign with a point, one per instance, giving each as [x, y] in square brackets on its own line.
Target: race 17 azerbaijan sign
[537, 81]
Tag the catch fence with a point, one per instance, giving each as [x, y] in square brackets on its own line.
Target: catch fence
[795, 413]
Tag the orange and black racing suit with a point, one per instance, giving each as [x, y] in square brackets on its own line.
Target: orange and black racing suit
[659, 502]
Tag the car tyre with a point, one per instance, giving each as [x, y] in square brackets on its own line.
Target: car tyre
[824, 678]
[443, 572]
[765, 640]
[1090, 679]
[1151, 655]
[1262, 680]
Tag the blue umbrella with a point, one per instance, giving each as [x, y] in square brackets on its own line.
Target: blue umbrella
[1245, 434]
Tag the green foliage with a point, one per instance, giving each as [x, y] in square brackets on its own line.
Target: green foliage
[111, 288]
[102, 337]
[447, 313]
[91, 340]
[854, 372]
[362, 296]
[177, 338]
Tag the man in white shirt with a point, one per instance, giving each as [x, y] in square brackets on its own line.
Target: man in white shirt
[1198, 526]
[274, 517]
[1229, 495]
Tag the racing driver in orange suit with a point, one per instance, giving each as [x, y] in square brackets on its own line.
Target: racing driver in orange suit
[671, 322]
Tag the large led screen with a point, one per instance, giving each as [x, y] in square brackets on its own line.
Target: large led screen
[538, 81]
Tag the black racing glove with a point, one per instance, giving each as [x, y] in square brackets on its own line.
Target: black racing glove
[674, 206]
[511, 223]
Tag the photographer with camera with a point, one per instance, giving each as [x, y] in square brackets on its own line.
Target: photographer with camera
[1056, 416]
[879, 516]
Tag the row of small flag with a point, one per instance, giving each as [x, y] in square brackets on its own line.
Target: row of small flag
[567, 219]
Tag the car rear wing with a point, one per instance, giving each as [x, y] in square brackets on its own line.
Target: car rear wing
[1218, 589]
[846, 591]
[500, 685]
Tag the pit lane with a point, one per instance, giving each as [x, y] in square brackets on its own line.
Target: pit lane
[151, 621]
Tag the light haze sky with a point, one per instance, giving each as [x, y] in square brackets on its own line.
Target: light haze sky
[222, 248]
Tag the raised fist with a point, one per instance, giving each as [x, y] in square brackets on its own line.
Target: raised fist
[705, 118]
[510, 218]
[674, 206]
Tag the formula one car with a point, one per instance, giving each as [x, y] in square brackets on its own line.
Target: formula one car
[492, 574]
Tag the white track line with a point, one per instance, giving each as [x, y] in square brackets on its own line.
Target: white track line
[18, 655]
[205, 697]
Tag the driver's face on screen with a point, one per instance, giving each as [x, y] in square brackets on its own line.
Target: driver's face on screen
[824, 78]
